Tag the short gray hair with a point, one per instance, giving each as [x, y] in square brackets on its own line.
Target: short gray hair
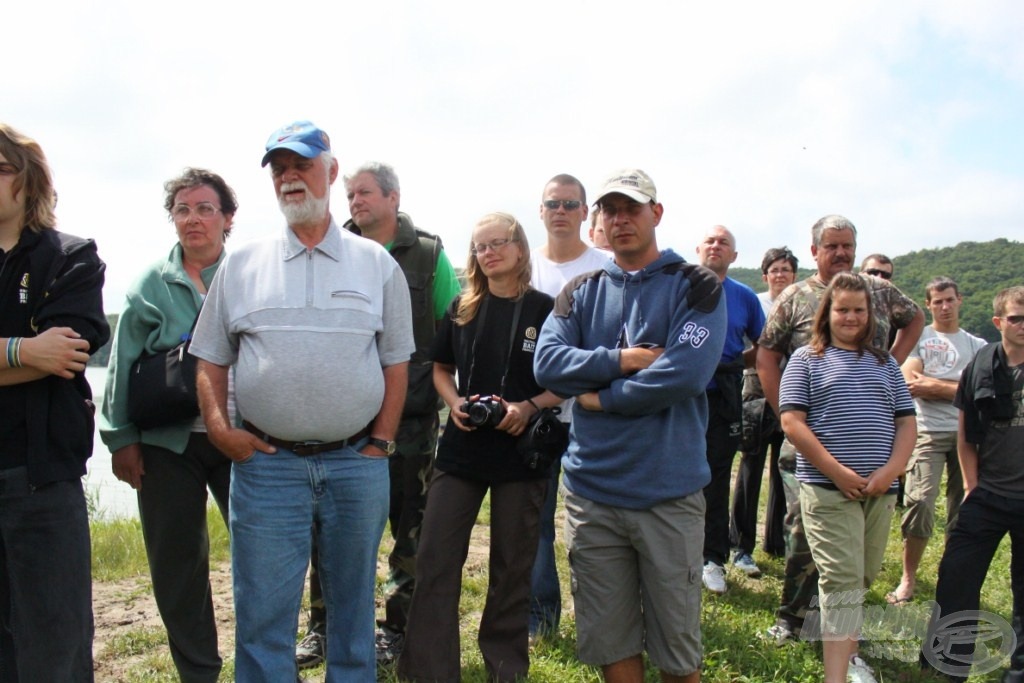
[831, 222]
[387, 179]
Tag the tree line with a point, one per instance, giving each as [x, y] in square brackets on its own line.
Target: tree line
[980, 269]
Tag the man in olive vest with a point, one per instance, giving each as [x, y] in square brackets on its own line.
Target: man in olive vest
[373, 199]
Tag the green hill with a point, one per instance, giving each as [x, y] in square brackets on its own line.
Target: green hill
[980, 269]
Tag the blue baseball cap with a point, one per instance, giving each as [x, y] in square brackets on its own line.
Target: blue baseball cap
[301, 137]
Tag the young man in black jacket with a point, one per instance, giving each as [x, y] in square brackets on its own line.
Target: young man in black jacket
[51, 320]
[990, 445]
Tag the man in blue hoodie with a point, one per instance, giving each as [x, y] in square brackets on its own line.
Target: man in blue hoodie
[636, 343]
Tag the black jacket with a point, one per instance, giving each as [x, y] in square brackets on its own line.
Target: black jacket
[985, 393]
[48, 280]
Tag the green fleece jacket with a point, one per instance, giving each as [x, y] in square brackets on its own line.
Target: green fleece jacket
[160, 308]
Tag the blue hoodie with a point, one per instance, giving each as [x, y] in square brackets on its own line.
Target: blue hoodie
[647, 445]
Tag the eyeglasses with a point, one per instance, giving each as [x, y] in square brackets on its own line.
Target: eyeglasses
[780, 271]
[567, 204]
[493, 245]
[884, 274]
[204, 210]
[1015, 320]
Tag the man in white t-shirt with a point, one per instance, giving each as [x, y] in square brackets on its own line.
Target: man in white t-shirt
[564, 256]
[932, 371]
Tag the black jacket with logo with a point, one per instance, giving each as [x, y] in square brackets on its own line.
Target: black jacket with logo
[50, 279]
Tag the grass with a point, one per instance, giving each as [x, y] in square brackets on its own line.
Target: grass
[731, 624]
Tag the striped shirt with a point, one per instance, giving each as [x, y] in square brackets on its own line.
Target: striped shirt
[851, 403]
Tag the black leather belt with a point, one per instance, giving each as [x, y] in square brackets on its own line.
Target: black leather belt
[305, 448]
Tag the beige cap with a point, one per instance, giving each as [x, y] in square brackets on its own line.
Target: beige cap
[631, 182]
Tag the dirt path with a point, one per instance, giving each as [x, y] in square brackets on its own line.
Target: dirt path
[128, 623]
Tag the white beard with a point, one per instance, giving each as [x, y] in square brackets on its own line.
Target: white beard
[310, 210]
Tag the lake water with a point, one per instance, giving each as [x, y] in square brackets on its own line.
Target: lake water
[115, 498]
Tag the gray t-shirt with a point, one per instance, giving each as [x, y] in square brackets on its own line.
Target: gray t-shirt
[309, 332]
[944, 356]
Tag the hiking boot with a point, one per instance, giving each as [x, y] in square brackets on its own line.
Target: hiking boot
[745, 563]
[714, 577]
[389, 645]
[310, 650]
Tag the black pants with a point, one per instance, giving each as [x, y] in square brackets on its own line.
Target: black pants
[747, 491]
[985, 518]
[46, 625]
[172, 509]
[723, 438]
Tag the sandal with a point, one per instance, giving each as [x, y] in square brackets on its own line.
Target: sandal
[893, 599]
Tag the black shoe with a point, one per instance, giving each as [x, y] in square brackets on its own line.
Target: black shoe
[310, 650]
[389, 645]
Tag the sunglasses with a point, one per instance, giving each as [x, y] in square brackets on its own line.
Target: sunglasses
[567, 204]
[1015, 320]
[884, 274]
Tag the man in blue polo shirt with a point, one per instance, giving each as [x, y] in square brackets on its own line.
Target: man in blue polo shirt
[717, 251]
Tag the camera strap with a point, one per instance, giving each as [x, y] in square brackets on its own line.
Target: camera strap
[480, 320]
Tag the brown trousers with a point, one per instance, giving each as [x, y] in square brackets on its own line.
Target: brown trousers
[432, 651]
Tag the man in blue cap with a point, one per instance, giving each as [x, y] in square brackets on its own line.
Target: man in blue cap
[317, 325]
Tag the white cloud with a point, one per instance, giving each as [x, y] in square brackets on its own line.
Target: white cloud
[762, 116]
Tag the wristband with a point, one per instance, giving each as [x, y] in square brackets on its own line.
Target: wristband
[14, 352]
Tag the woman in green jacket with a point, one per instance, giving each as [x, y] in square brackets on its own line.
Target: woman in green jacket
[171, 466]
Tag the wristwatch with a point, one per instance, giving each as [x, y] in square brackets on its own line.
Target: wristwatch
[389, 447]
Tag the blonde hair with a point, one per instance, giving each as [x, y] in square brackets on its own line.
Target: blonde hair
[476, 281]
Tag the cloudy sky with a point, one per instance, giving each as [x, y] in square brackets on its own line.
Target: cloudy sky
[904, 116]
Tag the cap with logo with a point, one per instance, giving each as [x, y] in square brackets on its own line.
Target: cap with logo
[631, 182]
[301, 137]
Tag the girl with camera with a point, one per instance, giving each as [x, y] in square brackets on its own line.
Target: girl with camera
[488, 335]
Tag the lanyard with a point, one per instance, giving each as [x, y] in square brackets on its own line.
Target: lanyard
[480, 319]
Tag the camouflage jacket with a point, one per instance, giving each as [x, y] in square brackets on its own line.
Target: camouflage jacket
[791, 320]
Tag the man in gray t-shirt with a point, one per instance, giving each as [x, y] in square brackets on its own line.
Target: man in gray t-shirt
[317, 327]
[932, 371]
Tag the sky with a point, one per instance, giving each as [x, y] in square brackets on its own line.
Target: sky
[906, 117]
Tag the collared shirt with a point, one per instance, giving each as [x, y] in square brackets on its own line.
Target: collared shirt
[309, 332]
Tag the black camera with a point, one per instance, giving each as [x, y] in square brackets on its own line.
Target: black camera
[486, 411]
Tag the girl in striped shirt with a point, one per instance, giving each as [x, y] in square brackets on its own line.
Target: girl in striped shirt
[846, 408]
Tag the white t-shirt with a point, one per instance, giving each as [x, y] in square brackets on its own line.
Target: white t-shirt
[944, 356]
[766, 301]
[550, 277]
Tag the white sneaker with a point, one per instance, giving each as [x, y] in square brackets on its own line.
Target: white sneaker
[745, 563]
[714, 577]
[859, 671]
[778, 635]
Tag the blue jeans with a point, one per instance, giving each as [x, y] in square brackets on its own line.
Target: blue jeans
[46, 622]
[275, 500]
[545, 591]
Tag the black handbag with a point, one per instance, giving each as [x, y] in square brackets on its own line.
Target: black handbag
[162, 387]
[544, 439]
